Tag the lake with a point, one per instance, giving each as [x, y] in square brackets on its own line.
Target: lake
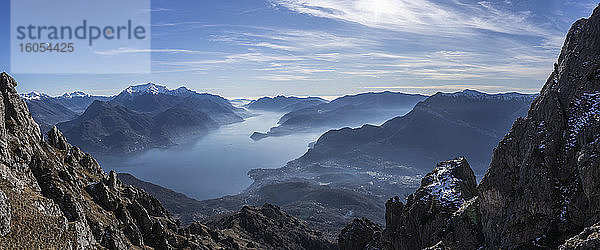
[216, 164]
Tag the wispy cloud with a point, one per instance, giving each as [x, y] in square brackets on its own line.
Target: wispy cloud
[133, 50]
[420, 16]
[276, 77]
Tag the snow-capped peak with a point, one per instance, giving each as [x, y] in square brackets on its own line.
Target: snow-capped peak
[74, 94]
[34, 96]
[151, 88]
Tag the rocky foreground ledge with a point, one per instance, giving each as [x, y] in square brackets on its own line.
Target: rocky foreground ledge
[53, 195]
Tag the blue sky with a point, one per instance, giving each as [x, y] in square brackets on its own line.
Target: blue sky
[251, 48]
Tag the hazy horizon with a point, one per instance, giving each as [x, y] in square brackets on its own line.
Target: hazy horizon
[328, 98]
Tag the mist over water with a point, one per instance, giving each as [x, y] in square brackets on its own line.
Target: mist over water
[216, 164]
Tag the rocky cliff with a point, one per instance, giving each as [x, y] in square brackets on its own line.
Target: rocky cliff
[543, 183]
[53, 195]
[542, 189]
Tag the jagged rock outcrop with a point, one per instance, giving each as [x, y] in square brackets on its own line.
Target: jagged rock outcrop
[543, 184]
[428, 216]
[53, 195]
[360, 234]
[443, 209]
[270, 227]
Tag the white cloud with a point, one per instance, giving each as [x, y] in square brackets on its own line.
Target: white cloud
[421, 16]
[278, 77]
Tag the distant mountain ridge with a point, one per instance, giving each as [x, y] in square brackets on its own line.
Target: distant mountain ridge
[284, 104]
[79, 101]
[346, 111]
[34, 96]
[48, 111]
[154, 89]
[76, 101]
[146, 116]
[466, 122]
[139, 117]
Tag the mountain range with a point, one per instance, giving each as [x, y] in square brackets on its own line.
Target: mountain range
[283, 103]
[146, 116]
[466, 122]
[326, 192]
[53, 195]
[48, 111]
[346, 111]
[140, 117]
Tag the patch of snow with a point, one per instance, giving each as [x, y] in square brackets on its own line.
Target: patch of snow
[584, 111]
[371, 173]
[149, 88]
[443, 186]
[349, 214]
[154, 89]
[34, 96]
[535, 242]
[541, 129]
[74, 95]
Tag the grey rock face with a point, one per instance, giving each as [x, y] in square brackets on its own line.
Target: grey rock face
[4, 214]
[360, 234]
[57, 140]
[542, 185]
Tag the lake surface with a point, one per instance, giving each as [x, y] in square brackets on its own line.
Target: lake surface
[216, 164]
